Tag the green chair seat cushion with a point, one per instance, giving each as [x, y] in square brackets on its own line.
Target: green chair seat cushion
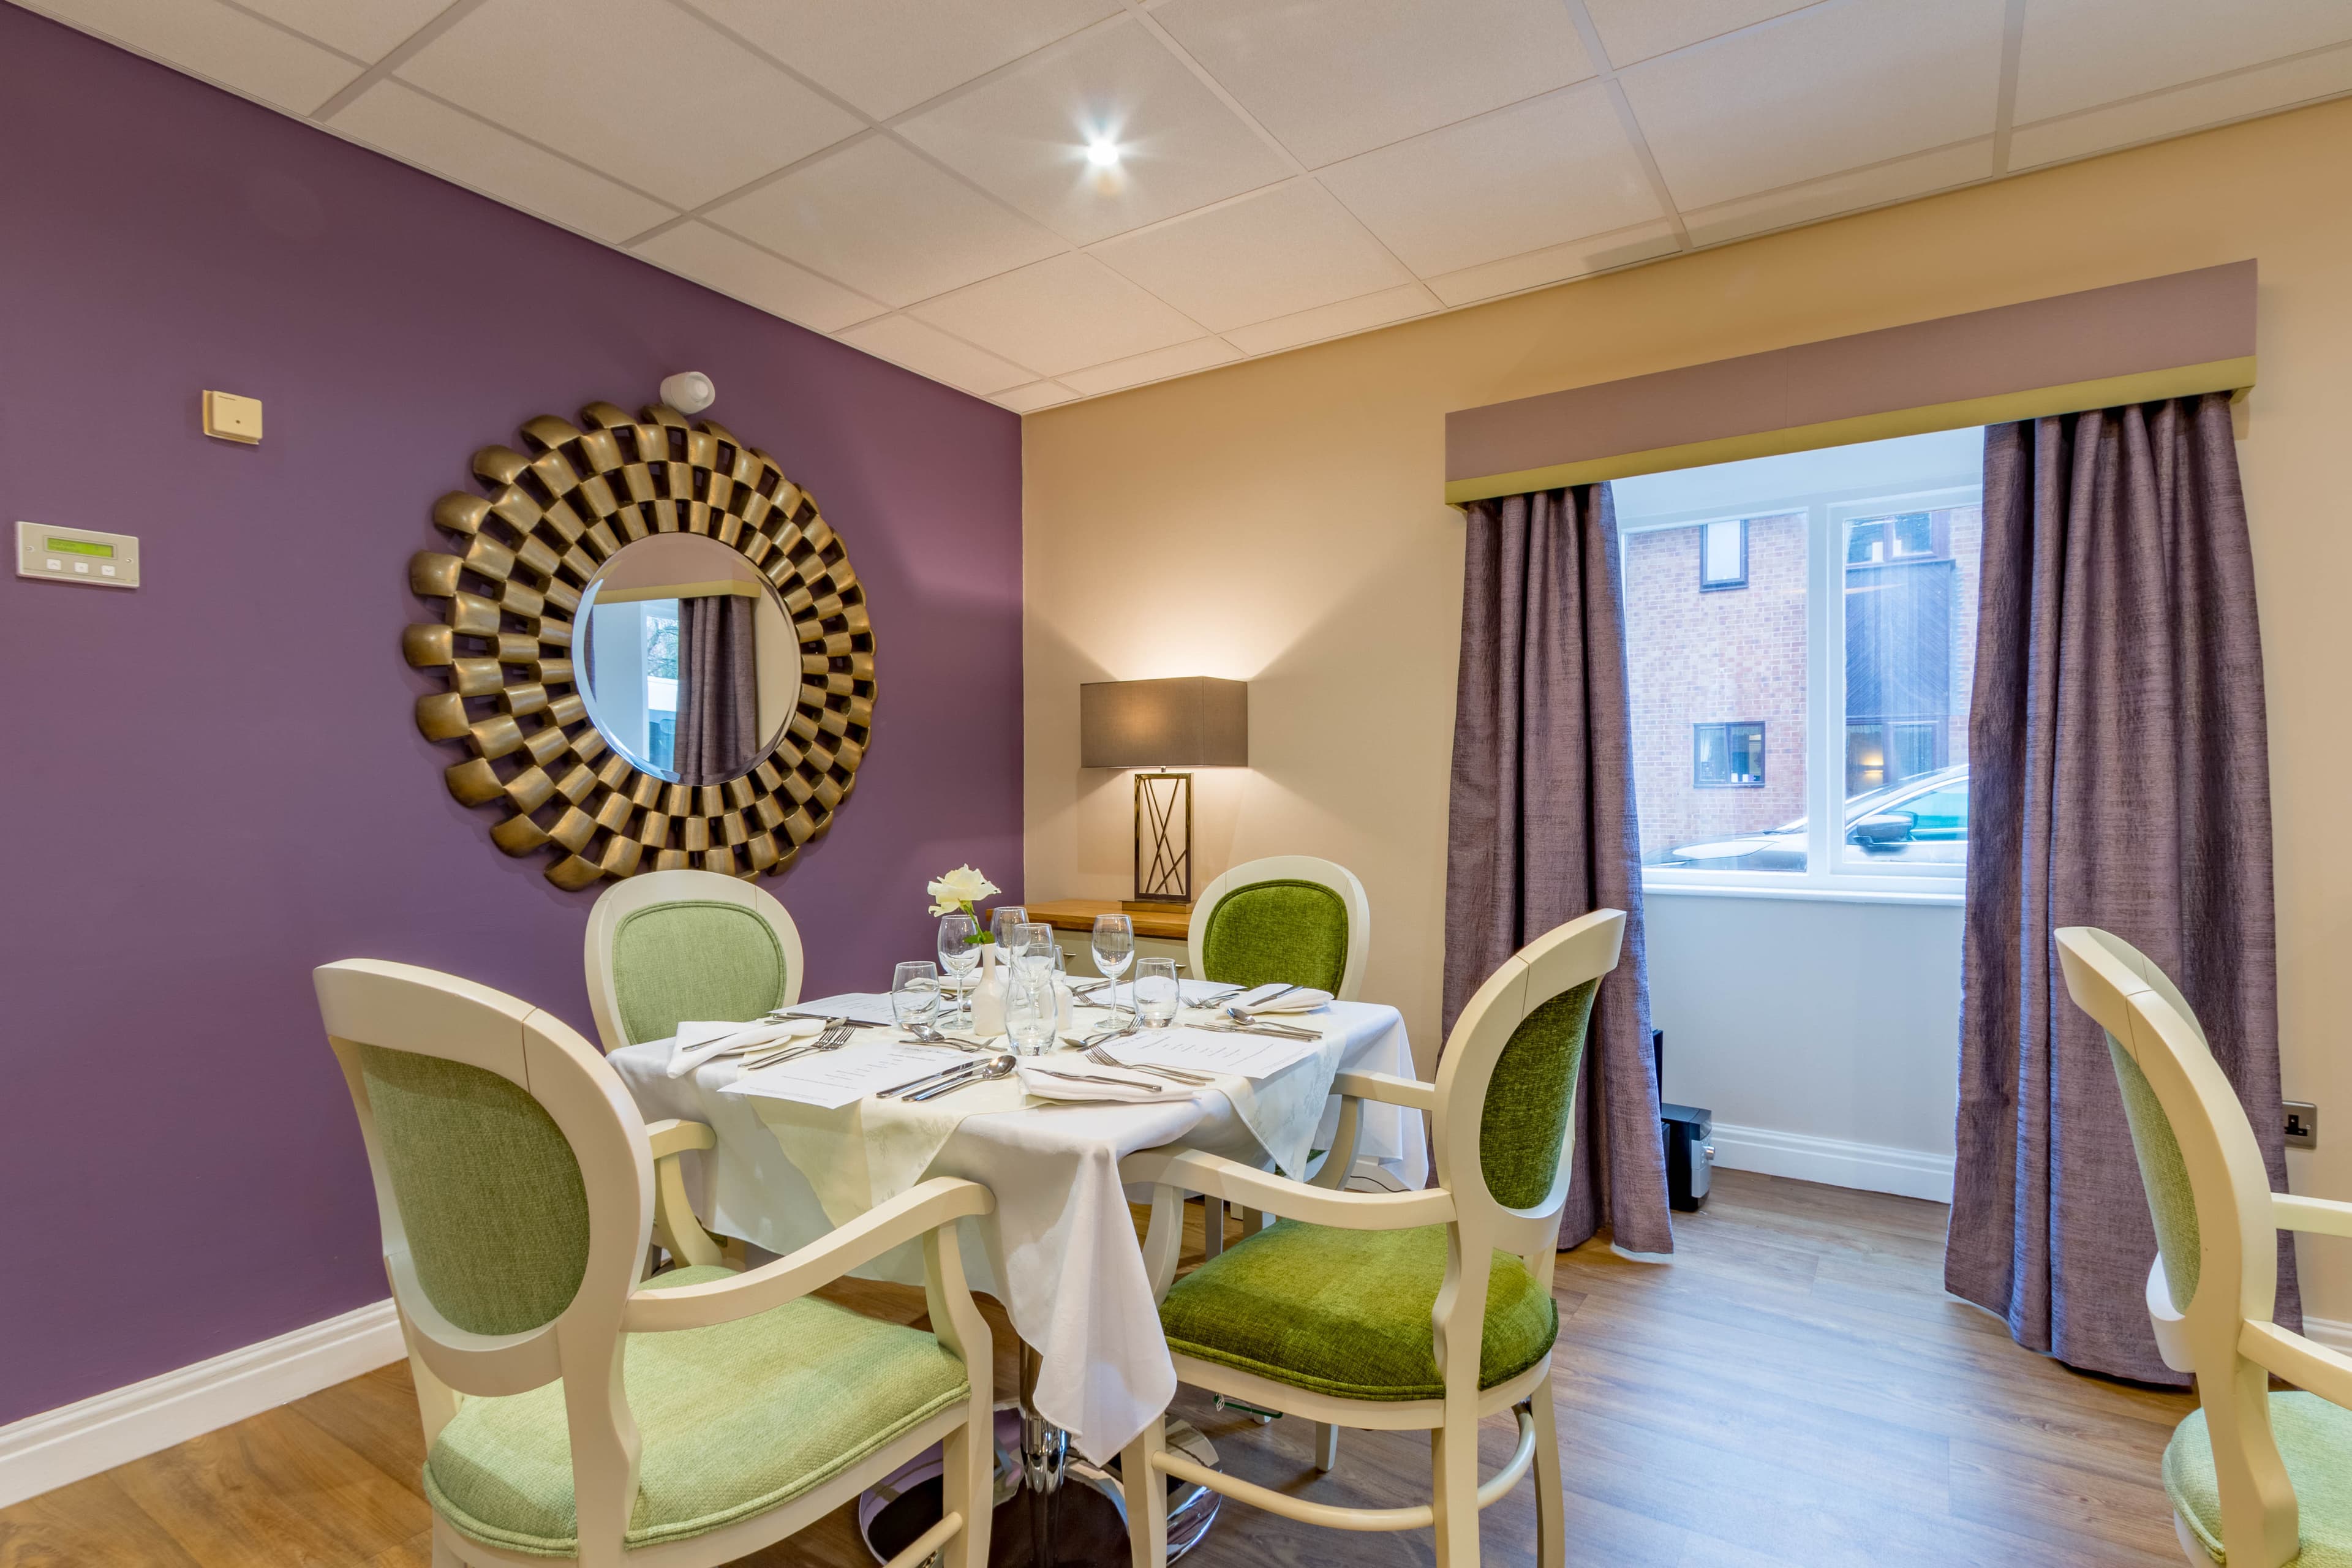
[734, 1419]
[1293, 932]
[2314, 1438]
[1347, 1312]
[694, 958]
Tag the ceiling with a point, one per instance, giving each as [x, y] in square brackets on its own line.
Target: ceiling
[913, 176]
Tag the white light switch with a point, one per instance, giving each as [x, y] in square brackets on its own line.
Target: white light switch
[77, 555]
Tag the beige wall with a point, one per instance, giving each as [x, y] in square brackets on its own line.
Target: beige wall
[1279, 521]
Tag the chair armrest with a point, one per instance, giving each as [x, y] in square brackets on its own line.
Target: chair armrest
[935, 1203]
[1388, 1088]
[2309, 1366]
[675, 1136]
[1214, 1175]
[2319, 1217]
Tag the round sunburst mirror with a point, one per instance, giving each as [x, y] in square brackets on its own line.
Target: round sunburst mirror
[657, 652]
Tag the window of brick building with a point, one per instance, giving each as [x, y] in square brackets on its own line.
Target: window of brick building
[1847, 657]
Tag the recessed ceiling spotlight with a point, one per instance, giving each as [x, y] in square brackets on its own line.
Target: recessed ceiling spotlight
[1102, 153]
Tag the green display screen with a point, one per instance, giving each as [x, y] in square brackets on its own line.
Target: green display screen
[80, 547]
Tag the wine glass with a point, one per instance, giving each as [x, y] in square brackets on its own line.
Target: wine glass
[959, 957]
[1002, 923]
[1114, 950]
[915, 995]
[1032, 948]
[1156, 993]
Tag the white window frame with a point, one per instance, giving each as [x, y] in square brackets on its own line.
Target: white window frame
[1826, 514]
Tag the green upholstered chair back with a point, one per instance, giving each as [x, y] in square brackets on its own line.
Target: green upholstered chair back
[2172, 1092]
[1531, 1099]
[1289, 931]
[673, 945]
[489, 1194]
[514, 1181]
[1507, 1079]
[1288, 917]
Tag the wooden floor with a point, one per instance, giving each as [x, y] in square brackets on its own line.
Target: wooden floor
[1794, 1388]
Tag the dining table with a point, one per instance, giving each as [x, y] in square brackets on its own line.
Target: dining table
[1059, 1250]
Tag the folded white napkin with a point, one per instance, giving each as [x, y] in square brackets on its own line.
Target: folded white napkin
[1275, 998]
[699, 1042]
[1087, 1080]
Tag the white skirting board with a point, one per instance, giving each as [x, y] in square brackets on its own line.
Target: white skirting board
[1834, 1161]
[44, 1452]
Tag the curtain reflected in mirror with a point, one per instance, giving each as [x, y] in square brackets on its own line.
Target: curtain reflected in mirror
[690, 665]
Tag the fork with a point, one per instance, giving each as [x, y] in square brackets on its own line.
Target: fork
[1101, 1057]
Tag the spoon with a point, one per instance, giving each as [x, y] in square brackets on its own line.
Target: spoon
[986, 1072]
[1244, 1017]
[926, 1034]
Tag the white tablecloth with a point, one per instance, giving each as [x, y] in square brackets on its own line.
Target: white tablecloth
[1060, 1251]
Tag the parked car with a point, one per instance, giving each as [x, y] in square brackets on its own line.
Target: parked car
[1922, 821]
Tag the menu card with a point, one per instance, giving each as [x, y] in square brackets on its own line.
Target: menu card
[831, 1079]
[859, 1006]
[1252, 1057]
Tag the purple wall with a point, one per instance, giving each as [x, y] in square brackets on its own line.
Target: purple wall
[214, 784]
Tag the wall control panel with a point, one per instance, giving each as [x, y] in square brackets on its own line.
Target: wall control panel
[80, 555]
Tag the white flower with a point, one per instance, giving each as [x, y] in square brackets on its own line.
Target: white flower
[959, 888]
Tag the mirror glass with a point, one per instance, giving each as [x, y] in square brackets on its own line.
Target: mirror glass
[685, 657]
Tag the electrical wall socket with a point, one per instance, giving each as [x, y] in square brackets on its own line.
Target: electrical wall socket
[2302, 1124]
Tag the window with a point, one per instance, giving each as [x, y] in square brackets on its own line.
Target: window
[1851, 649]
[1723, 553]
[1727, 756]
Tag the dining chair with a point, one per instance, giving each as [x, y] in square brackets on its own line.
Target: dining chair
[1291, 917]
[2262, 1475]
[1397, 1310]
[673, 945]
[573, 1408]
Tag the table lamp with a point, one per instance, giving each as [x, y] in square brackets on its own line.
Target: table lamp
[1194, 721]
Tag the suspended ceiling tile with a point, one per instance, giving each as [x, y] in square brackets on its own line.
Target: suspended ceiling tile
[457, 146]
[1334, 78]
[928, 351]
[1272, 253]
[1023, 136]
[1534, 175]
[2280, 85]
[886, 221]
[2078, 53]
[635, 88]
[1060, 314]
[1036, 395]
[1334, 320]
[1555, 264]
[884, 56]
[697, 250]
[1634, 30]
[1181, 359]
[368, 28]
[216, 42]
[1812, 94]
[1850, 192]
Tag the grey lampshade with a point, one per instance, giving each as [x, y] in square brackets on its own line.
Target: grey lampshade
[1193, 720]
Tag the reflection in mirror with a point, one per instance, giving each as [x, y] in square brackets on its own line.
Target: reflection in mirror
[686, 659]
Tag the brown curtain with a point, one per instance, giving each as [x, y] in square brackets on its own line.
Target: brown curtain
[2119, 778]
[1543, 827]
[718, 688]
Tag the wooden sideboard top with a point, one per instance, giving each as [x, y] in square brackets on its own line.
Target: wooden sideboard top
[1078, 914]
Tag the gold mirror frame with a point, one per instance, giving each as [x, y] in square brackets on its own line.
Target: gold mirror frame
[504, 641]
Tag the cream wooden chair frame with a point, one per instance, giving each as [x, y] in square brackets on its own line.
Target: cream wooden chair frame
[398, 1006]
[627, 897]
[1294, 868]
[2224, 1334]
[1476, 1225]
